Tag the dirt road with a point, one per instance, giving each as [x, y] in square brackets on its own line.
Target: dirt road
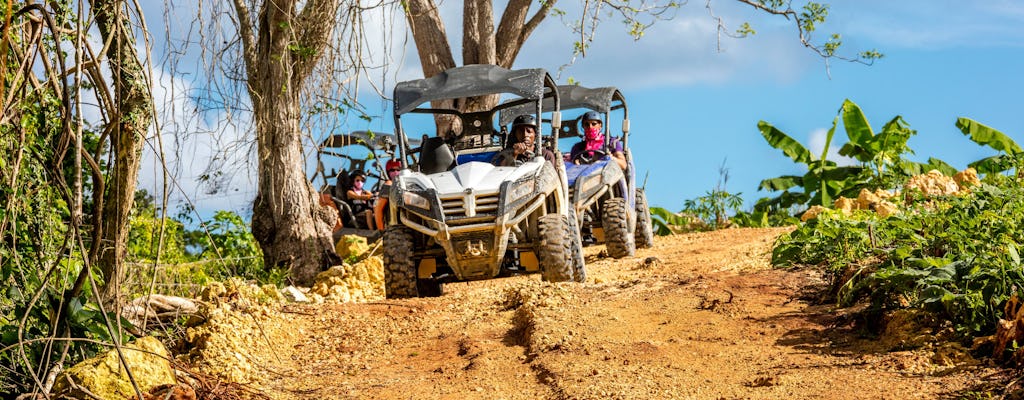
[698, 316]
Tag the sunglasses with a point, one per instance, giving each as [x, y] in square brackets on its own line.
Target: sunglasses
[593, 123]
[360, 180]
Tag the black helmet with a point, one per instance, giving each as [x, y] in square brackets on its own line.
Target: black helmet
[590, 116]
[525, 119]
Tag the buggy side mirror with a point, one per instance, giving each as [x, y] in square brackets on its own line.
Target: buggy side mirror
[625, 126]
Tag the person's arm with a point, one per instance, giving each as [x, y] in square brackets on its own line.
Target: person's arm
[620, 158]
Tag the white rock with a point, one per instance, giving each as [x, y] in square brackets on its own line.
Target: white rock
[294, 295]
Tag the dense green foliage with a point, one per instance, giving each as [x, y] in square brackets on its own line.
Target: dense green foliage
[41, 255]
[881, 157]
[957, 256]
[182, 260]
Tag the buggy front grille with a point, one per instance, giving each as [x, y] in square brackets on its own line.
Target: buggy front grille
[464, 209]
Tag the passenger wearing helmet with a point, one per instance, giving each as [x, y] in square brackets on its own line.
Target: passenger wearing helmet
[391, 169]
[521, 144]
[360, 198]
[593, 139]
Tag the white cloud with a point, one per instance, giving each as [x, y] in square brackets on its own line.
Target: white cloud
[930, 24]
[191, 143]
[816, 142]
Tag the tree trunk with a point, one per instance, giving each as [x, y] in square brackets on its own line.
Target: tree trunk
[481, 43]
[284, 221]
[283, 215]
[133, 116]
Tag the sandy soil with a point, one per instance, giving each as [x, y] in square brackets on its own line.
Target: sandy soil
[699, 316]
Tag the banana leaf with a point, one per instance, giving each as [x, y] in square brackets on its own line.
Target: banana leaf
[781, 183]
[993, 165]
[781, 141]
[823, 163]
[783, 201]
[986, 136]
[942, 166]
[858, 130]
[663, 220]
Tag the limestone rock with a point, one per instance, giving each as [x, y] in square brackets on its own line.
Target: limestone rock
[886, 208]
[294, 295]
[361, 282]
[866, 198]
[812, 213]
[105, 377]
[351, 246]
[967, 178]
[844, 205]
[933, 183]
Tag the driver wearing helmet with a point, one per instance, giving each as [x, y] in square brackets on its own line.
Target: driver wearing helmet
[521, 144]
[593, 140]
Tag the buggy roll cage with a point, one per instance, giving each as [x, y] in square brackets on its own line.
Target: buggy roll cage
[537, 91]
[603, 100]
[373, 142]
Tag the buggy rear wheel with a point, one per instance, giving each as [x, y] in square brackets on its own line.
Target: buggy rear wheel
[618, 237]
[644, 227]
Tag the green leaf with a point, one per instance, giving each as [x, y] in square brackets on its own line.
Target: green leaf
[992, 165]
[859, 132]
[781, 183]
[987, 136]
[781, 141]
[1011, 249]
[825, 198]
[942, 166]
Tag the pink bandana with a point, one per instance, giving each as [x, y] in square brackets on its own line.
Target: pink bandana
[595, 140]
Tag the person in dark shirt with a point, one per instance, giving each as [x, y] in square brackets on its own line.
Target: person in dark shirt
[521, 144]
[360, 198]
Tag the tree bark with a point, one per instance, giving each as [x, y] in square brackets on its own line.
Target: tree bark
[133, 115]
[481, 43]
[279, 55]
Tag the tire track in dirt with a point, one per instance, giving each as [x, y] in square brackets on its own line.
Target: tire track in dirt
[705, 318]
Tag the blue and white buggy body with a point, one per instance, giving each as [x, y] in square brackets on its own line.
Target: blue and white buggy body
[453, 215]
[610, 207]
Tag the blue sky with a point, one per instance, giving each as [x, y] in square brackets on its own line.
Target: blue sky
[695, 101]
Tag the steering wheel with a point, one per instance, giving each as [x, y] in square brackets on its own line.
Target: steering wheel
[589, 156]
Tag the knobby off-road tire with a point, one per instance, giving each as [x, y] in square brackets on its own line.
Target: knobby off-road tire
[579, 264]
[618, 237]
[399, 267]
[555, 248]
[644, 228]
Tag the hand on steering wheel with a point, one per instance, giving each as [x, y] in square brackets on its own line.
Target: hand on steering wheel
[588, 156]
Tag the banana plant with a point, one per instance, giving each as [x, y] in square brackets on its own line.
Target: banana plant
[986, 136]
[823, 179]
[666, 222]
[880, 156]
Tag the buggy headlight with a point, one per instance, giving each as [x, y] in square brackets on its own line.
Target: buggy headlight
[415, 200]
[521, 189]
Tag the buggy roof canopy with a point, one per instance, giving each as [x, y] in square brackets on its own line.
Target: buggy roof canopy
[469, 81]
[570, 97]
